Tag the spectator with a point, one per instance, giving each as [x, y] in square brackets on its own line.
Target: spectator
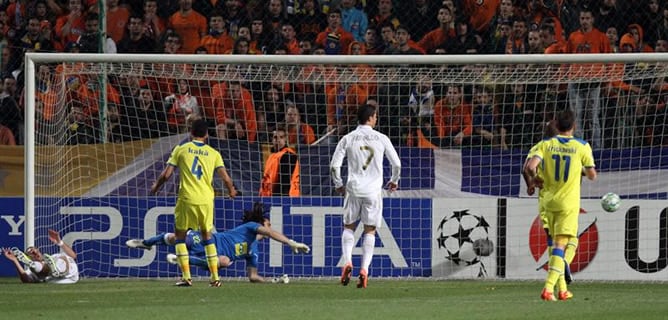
[584, 96]
[145, 118]
[153, 25]
[281, 170]
[653, 20]
[235, 15]
[117, 17]
[608, 15]
[217, 41]
[189, 24]
[498, 41]
[34, 37]
[271, 113]
[534, 42]
[135, 40]
[570, 15]
[289, 40]
[452, 118]
[385, 13]
[45, 13]
[403, 45]
[420, 120]
[372, 42]
[517, 42]
[480, 14]
[484, 119]
[467, 41]
[613, 37]
[298, 132]
[353, 20]
[89, 40]
[6, 136]
[440, 36]
[637, 32]
[260, 35]
[274, 15]
[419, 16]
[388, 37]
[310, 21]
[71, 26]
[334, 38]
[305, 46]
[235, 114]
[79, 130]
[181, 106]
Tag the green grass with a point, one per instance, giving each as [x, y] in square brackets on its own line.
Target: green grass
[324, 299]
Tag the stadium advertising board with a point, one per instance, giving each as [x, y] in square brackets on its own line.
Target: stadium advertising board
[419, 237]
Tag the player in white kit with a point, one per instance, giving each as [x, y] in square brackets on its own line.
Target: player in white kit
[58, 268]
[364, 147]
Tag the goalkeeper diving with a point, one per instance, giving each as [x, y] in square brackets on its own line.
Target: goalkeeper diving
[240, 243]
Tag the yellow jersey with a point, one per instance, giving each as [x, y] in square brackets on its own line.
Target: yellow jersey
[562, 160]
[197, 163]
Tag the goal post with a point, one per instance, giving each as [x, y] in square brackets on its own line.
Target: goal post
[92, 149]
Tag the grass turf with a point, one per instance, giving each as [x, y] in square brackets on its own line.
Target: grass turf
[324, 299]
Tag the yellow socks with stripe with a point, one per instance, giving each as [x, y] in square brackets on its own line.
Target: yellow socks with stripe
[211, 258]
[556, 269]
[571, 247]
[182, 257]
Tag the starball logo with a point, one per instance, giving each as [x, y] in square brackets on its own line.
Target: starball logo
[584, 254]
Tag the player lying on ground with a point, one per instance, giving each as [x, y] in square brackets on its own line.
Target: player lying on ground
[37, 267]
[232, 245]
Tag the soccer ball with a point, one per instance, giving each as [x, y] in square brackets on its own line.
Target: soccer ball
[610, 202]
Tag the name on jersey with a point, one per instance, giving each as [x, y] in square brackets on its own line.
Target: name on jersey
[365, 138]
[198, 152]
[558, 149]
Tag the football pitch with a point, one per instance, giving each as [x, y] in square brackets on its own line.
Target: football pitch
[324, 299]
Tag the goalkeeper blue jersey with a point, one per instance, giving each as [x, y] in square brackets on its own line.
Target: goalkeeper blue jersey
[237, 244]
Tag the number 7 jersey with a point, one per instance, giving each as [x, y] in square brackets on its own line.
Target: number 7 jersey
[563, 159]
[197, 163]
[365, 149]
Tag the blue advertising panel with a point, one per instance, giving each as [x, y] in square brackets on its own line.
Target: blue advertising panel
[98, 229]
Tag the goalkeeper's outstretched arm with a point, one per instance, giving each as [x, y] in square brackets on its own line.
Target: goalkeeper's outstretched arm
[297, 247]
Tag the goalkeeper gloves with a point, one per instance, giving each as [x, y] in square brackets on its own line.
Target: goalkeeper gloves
[298, 247]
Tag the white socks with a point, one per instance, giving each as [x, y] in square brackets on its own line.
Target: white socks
[368, 244]
[347, 244]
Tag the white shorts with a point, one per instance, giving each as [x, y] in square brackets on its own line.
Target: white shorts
[367, 210]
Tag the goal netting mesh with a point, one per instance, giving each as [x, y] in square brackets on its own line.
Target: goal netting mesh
[103, 131]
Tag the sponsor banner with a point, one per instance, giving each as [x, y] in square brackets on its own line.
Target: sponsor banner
[456, 225]
[99, 227]
[630, 244]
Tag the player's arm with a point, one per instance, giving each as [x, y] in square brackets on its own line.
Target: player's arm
[271, 233]
[164, 176]
[395, 162]
[23, 275]
[530, 169]
[590, 173]
[527, 179]
[55, 239]
[335, 165]
[222, 173]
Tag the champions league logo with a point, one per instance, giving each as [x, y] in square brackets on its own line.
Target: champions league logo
[464, 239]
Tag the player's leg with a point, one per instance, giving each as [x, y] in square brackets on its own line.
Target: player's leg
[564, 228]
[350, 218]
[371, 217]
[205, 216]
[182, 222]
[159, 239]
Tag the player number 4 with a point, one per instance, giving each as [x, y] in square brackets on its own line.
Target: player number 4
[196, 169]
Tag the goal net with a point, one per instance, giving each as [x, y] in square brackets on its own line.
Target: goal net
[101, 127]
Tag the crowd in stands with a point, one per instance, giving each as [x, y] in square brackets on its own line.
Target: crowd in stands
[422, 113]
